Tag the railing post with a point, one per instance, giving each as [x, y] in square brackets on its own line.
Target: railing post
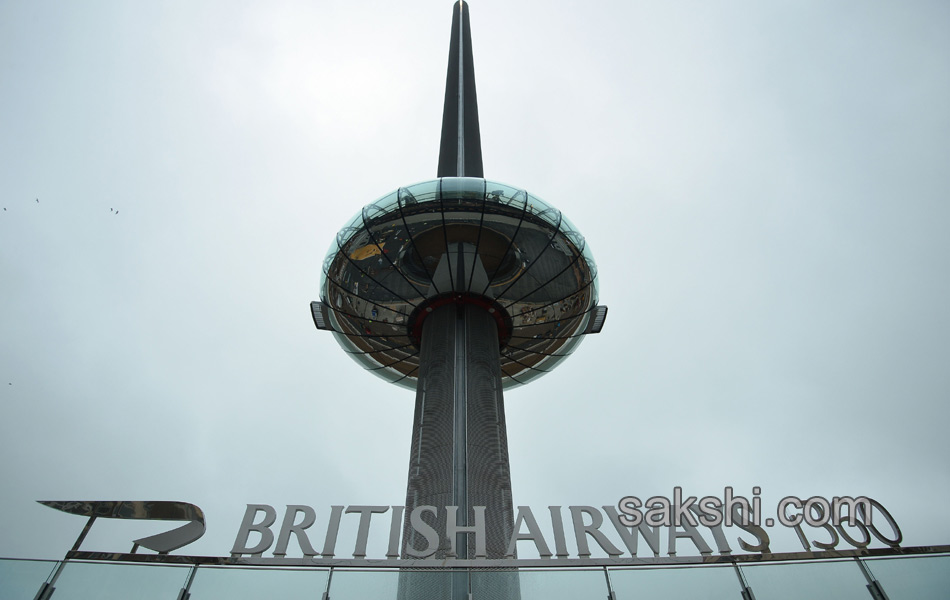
[326, 591]
[610, 590]
[874, 586]
[46, 590]
[745, 590]
[185, 592]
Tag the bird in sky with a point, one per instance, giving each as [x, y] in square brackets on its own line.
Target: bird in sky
[37, 200]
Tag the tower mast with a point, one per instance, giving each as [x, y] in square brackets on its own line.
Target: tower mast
[460, 153]
[459, 451]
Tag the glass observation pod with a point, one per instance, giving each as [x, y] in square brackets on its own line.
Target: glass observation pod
[461, 240]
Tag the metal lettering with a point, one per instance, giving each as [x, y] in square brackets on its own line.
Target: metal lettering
[333, 528]
[162, 543]
[560, 544]
[366, 513]
[299, 530]
[894, 542]
[452, 530]
[395, 528]
[688, 532]
[427, 531]
[248, 525]
[581, 531]
[534, 533]
[720, 538]
[761, 536]
[651, 537]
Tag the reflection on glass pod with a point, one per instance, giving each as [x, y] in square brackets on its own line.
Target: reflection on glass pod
[459, 239]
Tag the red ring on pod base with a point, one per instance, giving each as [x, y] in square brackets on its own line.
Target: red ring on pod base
[419, 314]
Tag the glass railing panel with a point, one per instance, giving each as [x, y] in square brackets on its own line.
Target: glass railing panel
[919, 577]
[23, 578]
[816, 580]
[118, 581]
[365, 585]
[709, 583]
[231, 583]
[541, 584]
[495, 584]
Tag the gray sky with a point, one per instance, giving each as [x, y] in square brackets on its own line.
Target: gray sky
[764, 186]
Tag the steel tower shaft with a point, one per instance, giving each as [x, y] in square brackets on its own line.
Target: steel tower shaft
[459, 451]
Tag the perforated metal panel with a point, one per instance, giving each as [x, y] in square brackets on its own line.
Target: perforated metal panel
[459, 451]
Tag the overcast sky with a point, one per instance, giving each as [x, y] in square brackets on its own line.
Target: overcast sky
[764, 186]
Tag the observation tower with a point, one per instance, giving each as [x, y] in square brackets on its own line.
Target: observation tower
[458, 288]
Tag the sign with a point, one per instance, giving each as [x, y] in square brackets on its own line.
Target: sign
[655, 526]
[588, 526]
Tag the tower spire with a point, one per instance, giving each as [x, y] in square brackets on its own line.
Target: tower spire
[460, 153]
